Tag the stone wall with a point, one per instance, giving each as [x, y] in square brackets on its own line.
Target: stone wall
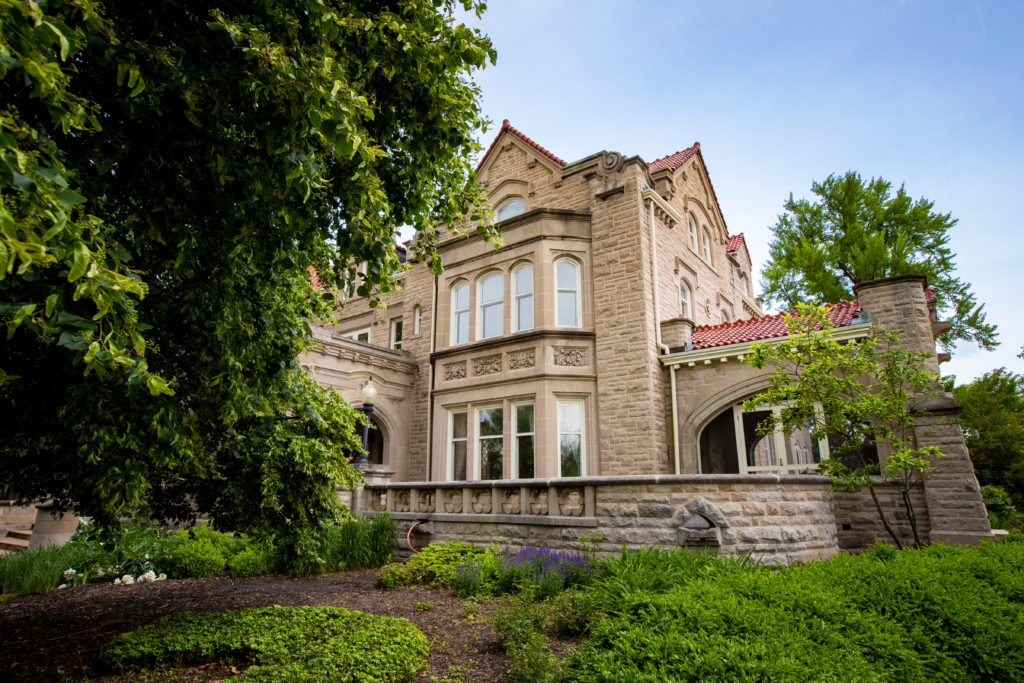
[777, 519]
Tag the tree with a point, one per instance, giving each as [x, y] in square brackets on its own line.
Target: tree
[856, 395]
[858, 231]
[169, 172]
[992, 418]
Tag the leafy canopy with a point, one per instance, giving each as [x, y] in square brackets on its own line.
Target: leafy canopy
[993, 422]
[858, 231]
[856, 395]
[169, 173]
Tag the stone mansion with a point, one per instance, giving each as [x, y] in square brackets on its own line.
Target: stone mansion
[587, 375]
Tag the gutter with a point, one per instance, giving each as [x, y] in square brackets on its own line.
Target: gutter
[430, 383]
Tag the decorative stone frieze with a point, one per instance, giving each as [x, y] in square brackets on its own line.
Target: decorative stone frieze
[518, 360]
[455, 370]
[570, 357]
[488, 365]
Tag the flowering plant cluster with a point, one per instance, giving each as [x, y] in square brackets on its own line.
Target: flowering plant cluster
[147, 577]
[537, 569]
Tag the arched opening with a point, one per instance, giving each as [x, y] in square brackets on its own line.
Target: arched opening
[375, 442]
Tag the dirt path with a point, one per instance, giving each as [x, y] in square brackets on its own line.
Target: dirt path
[54, 636]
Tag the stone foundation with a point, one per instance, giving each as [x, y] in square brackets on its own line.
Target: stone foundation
[778, 519]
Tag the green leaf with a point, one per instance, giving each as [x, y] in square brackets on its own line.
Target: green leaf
[81, 261]
[70, 198]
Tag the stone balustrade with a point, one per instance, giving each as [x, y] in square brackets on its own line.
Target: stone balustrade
[778, 518]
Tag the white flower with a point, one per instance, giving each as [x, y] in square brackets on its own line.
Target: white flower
[63, 585]
[69, 574]
[162, 577]
[101, 572]
[127, 580]
[148, 576]
[117, 582]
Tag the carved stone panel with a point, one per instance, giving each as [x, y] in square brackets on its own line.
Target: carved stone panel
[538, 501]
[402, 501]
[570, 357]
[455, 370]
[488, 365]
[453, 501]
[425, 502]
[518, 360]
[570, 502]
[482, 501]
[510, 501]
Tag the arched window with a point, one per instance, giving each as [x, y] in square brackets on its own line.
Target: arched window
[693, 234]
[567, 299]
[684, 301]
[707, 246]
[512, 206]
[460, 314]
[522, 298]
[491, 298]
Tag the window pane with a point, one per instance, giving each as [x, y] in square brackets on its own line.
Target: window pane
[490, 458]
[524, 446]
[524, 418]
[490, 288]
[566, 275]
[363, 337]
[524, 312]
[462, 327]
[513, 207]
[462, 296]
[569, 448]
[459, 461]
[524, 279]
[567, 309]
[490, 422]
[491, 324]
[459, 425]
[570, 417]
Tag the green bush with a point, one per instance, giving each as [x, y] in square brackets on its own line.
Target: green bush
[280, 643]
[358, 543]
[37, 570]
[253, 560]
[436, 564]
[935, 614]
[519, 624]
[198, 557]
[572, 611]
[1001, 512]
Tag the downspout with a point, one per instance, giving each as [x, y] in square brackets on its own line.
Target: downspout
[662, 347]
[430, 385]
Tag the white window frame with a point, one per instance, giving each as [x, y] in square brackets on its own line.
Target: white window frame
[455, 313]
[579, 299]
[516, 474]
[354, 334]
[694, 240]
[685, 304]
[477, 450]
[481, 304]
[517, 324]
[706, 251]
[778, 444]
[417, 316]
[583, 434]
[395, 341]
[505, 204]
[450, 466]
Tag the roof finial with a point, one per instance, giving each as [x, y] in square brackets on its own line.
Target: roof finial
[506, 124]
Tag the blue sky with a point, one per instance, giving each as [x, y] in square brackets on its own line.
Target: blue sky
[930, 94]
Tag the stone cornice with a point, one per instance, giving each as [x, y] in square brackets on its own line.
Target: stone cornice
[511, 339]
[515, 222]
[361, 352]
[895, 279]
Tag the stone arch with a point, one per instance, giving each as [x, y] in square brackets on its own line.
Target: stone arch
[387, 428]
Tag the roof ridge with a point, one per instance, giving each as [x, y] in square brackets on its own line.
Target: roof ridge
[670, 161]
[841, 313]
[506, 126]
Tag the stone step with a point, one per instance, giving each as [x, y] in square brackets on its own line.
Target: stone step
[18, 517]
[12, 543]
[25, 534]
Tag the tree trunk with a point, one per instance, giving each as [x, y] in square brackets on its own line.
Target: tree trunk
[905, 493]
[885, 521]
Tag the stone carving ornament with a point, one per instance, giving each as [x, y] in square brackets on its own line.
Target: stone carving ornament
[570, 502]
[521, 359]
[455, 370]
[571, 357]
[538, 501]
[482, 502]
[487, 365]
[510, 501]
[425, 501]
[453, 501]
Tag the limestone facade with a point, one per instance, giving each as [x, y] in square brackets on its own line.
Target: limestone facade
[567, 352]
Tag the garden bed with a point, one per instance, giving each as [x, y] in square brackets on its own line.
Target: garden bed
[54, 635]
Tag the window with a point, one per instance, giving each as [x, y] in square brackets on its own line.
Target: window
[490, 442]
[707, 246]
[571, 446]
[417, 315]
[460, 314]
[492, 306]
[567, 300]
[725, 316]
[684, 301]
[693, 233]
[510, 207]
[522, 298]
[523, 441]
[362, 335]
[396, 334]
[457, 446]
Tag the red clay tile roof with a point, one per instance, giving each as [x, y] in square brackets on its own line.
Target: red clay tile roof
[505, 125]
[734, 243]
[674, 161]
[766, 327]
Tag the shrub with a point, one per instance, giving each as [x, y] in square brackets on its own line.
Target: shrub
[41, 569]
[541, 571]
[281, 643]
[572, 611]
[939, 613]
[436, 564]
[1001, 512]
[254, 560]
[194, 555]
[358, 543]
[519, 625]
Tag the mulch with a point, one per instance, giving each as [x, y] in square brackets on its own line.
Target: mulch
[55, 636]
